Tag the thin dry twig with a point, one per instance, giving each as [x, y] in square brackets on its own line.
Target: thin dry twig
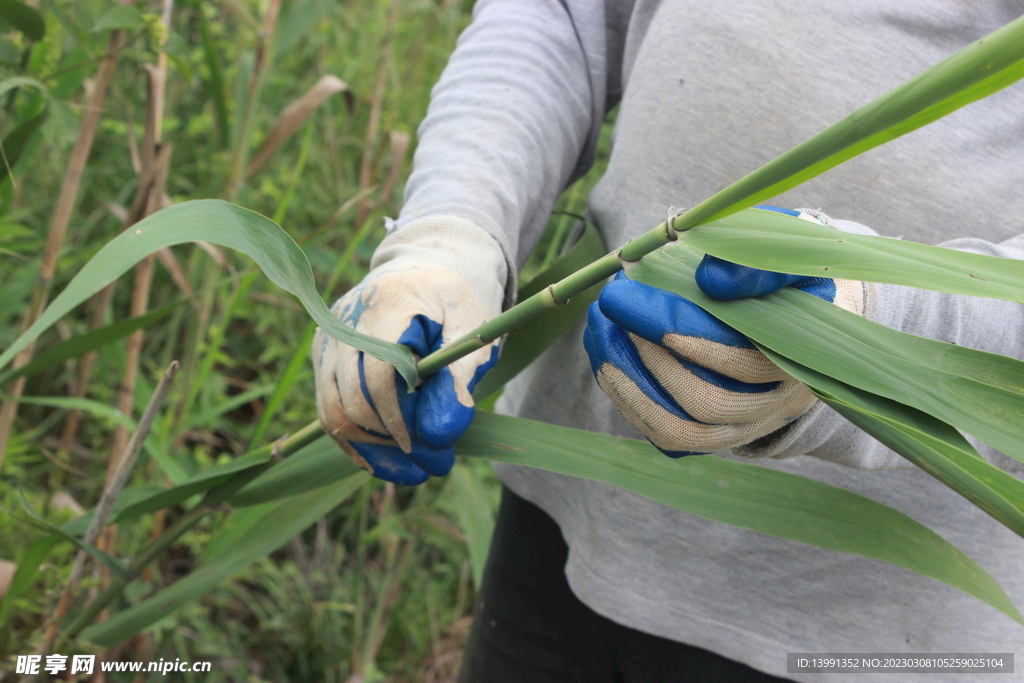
[149, 197]
[171, 264]
[293, 116]
[349, 203]
[399, 141]
[156, 162]
[264, 51]
[139, 306]
[111, 491]
[376, 106]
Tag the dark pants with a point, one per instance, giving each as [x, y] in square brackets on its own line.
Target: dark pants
[528, 627]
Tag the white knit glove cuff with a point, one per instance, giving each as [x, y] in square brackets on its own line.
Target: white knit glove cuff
[456, 244]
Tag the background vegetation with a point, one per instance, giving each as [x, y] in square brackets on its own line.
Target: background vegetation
[382, 587]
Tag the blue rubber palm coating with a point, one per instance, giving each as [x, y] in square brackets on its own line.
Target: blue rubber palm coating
[725, 281]
[434, 417]
[390, 464]
[441, 419]
[651, 313]
[606, 342]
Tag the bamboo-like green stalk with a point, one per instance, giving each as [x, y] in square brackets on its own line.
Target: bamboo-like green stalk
[553, 295]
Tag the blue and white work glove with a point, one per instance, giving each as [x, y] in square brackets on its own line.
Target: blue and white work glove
[688, 382]
[431, 281]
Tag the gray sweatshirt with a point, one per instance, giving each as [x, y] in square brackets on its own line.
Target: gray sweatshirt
[709, 92]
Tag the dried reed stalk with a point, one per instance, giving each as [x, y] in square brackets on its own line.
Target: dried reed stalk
[59, 221]
[376, 105]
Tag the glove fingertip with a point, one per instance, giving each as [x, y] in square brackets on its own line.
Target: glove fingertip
[440, 417]
[390, 464]
[821, 287]
[437, 462]
[680, 454]
[639, 308]
[725, 280]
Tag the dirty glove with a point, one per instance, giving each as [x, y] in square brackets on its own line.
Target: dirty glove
[688, 382]
[431, 281]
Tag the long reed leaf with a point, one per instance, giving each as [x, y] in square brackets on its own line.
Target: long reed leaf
[775, 241]
[318, 464]
[209, 478]
[37, 520]
[90, 341]
[227, 225]
[931, 444]
[741, 494]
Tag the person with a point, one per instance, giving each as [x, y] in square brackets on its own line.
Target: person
[588, 582]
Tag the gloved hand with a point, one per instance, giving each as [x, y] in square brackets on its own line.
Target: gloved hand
[688, 382]
[430, 282]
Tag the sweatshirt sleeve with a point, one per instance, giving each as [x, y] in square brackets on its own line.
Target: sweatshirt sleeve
[515, 116]
[985, 324]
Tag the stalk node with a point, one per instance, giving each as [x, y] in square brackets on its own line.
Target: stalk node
[275, 452]
[622, 259]
[670, 225]
[554, 297]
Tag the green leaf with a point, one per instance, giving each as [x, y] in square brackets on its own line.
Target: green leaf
[119, 16]
[26, 573]
[232, 529]
[209, 478]
[775, 241]
[115, 566]
[283, 386]
[980, 393]
[475, 517]
[24, 18]
[215, 86]
[208, 416]
[526, 343]
[227, 225]
[980, 69]
[90, 341]
[931, 444]
[278, 524]
[741, 494]
[318, 464]
[296, 23]
[21, 82]
[10, 56]
[86, 405]
[14, 143]
[80, 525]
